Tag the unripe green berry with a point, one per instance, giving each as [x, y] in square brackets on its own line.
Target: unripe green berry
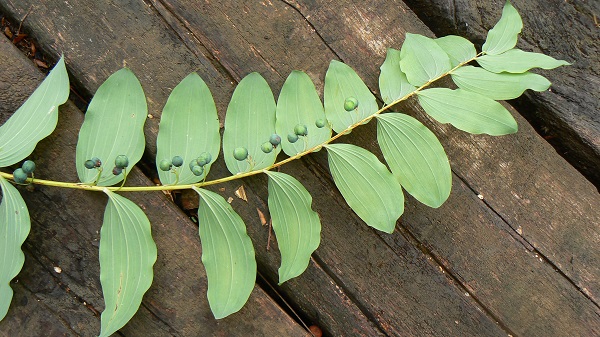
[292, 138]
[300, 130]
[197, 170]
[117, 170]
[320, 123]
[89, 164]
[275, 140]
[266, 147]
[28, 166]
[204, 158]
[121, 161]
[97, 162]
[19, 176]
[164, 165]
[177, 161]
[193, 163]
[240, 153]
[350, 103]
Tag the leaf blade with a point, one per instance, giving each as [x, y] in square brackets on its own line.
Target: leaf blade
[127, 255]
[467, 111]
[297, 227]
[113, 126]
[342, 82]
[503, 36]
[422, 60]
[459, 49]
[14, 228]
[393, 83]
[249, 122]
[380, 201]
[189, 126]
[518, 61]
[299, 103]
[416, 158]
[36, 118]
[498, 86]
[227, 254]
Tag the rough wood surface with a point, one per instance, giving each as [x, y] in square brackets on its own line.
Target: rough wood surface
[471, 267]
[570, 30]
[65, 225]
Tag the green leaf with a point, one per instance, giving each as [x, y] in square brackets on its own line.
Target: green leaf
[35, 119]
[249, 123]
[342, 82]
[459, 49]
[422, 59]
[416, 158]
[189, 126]
[498, 86]
[518, 61]
[127, 254]
[14, 228]
[296, 225]
[505, 33]
[393, 83]
[366, 185]
[467, 111]
[299, 103]
[227, 254]
[113, 126]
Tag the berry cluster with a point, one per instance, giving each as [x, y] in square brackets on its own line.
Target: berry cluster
[20, 174]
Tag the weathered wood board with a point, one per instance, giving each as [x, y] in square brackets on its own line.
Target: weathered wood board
[570, 30]
[471, 267]
[65, 226]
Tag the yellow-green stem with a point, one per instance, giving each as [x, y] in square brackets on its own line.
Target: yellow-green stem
[90, 187]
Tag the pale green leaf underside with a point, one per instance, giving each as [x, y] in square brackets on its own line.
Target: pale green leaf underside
[35, 119]
[299, 103]
[127, 254]
[416, 158]
[505, 33]
[458, 48]
[249, 122]
[113, 126]
[342, 82]
[498, 86]
[518, 61]
[227, 254]
[423, 60]
[393, 83]
[368, 187]
[467, 111]
[296, 225]
[189, 126]
[14, 228]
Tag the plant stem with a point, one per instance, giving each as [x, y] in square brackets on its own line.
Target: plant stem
[90, 187]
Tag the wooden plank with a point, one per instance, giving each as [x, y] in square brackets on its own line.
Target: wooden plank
[567, 115]
[331, 306]
[65, 235]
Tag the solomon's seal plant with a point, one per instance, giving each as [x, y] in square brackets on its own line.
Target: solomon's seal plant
[251, 142]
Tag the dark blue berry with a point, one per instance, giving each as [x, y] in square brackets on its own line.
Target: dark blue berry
[117, 170]
[121, 161]
[177, 161]
[19, 176]
[97, 162]
[275, 139]
[89, 164]
[28, 166]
